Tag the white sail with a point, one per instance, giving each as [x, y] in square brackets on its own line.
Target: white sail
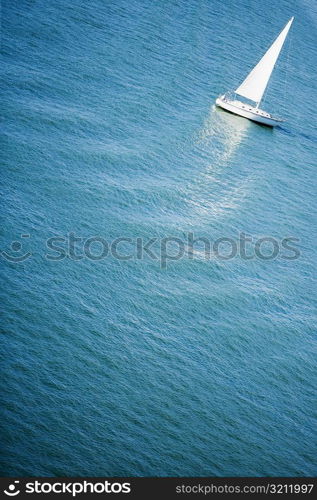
[254, 85]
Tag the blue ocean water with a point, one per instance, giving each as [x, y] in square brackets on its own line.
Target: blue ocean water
[200, 367]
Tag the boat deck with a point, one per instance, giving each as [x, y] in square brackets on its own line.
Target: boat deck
[250, 109]
[247, 111]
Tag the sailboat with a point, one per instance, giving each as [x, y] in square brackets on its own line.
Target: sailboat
[254, 85]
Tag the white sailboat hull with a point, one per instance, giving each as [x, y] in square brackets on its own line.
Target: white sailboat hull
[247, 111]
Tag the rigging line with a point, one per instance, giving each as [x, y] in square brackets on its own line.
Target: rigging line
[287, 68]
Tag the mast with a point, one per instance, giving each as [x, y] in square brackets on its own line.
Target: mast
[254, 85]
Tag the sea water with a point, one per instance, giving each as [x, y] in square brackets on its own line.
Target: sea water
[130, 346]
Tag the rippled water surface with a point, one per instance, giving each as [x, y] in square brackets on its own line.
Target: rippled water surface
[203, 366]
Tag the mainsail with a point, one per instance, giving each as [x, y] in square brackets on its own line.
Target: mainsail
[254, 85]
